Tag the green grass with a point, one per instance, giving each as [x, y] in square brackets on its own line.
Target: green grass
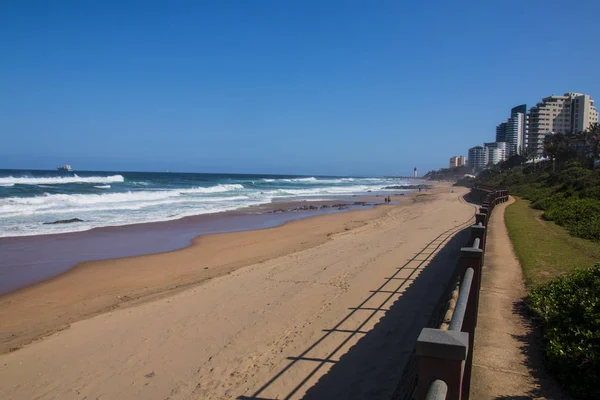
[545, 249]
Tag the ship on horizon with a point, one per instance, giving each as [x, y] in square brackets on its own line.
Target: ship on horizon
[65, 168]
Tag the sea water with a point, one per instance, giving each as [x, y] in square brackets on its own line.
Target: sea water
[31, 200]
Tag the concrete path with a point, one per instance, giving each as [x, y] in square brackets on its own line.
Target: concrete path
[507, 361]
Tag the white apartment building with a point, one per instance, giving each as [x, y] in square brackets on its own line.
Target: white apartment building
[496, 152]
[515, 128]
[514, 131]
[462, 161]
[570, 113]
[477, 157]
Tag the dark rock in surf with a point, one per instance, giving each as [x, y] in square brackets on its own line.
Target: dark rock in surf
[64, 221]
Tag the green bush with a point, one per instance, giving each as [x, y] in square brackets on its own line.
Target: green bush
[581, 217]
[570, 197]
[569, 311]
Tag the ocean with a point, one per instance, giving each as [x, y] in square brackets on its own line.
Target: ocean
[31, 200]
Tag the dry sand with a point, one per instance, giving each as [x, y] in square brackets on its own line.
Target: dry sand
[274, 296]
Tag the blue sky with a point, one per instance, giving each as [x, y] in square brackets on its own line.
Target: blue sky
[281, 86]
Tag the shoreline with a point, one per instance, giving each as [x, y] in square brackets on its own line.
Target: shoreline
[235, 335]
[58, 253]
[95, 287]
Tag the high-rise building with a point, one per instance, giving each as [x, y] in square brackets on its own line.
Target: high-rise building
[477, 157]
[453, 162]
[514, 130]
[570, 113]
[496, 152]
[457, 161]
[501, 132]
[515, 134]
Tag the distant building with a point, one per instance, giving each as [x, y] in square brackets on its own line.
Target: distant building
[496, 152]
[515, 134]
[477, 157]
[501, 132]
[453, 162]
[457, 161]
[415, 172]
[569, 113]
[514, 130]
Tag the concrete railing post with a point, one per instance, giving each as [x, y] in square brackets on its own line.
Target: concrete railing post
[441, 355]
[480, 218]
[485, 211]
[471, 258]
[478, 231]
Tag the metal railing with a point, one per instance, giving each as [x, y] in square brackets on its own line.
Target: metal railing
[445, 357]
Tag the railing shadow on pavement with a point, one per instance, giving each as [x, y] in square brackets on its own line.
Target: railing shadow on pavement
[373, 366]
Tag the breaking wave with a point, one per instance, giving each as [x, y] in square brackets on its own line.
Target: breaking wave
[55, 180]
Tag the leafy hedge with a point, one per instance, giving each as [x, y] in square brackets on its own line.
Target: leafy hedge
[570, 197]
[580, 216]
[569, 311]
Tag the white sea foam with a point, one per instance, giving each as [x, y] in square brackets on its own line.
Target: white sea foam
[6, 184]
[311, 179]
[133, 200]
[21, 216]
[214, 189]
[61, 180]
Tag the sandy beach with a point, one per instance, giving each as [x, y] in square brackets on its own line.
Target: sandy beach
[300, 309]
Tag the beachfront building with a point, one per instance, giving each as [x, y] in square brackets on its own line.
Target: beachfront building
[514, 131]
[501, 132]
[477, 157]
[457, 161]
[453, 162]
[515, 134]
[569, 113]
[496, 152]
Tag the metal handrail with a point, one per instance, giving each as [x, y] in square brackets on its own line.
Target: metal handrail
[461, 304]
[438, 390]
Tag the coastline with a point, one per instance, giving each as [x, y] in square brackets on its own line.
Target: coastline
[58, 253]
[94, 287]
[237, 334]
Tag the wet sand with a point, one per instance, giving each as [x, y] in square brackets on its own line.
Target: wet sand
[31, 259]
[267, 295]
[66, 294]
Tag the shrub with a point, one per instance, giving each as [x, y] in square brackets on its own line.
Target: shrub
[569, 311]
[580, 216]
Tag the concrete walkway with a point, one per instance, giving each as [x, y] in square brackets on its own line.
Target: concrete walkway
[507, 360]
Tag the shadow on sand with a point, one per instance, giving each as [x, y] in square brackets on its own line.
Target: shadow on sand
[374, 367]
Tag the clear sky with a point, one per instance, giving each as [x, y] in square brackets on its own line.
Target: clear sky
[280, 86]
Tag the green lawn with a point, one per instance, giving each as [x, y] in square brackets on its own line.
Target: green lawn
[544, 249]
